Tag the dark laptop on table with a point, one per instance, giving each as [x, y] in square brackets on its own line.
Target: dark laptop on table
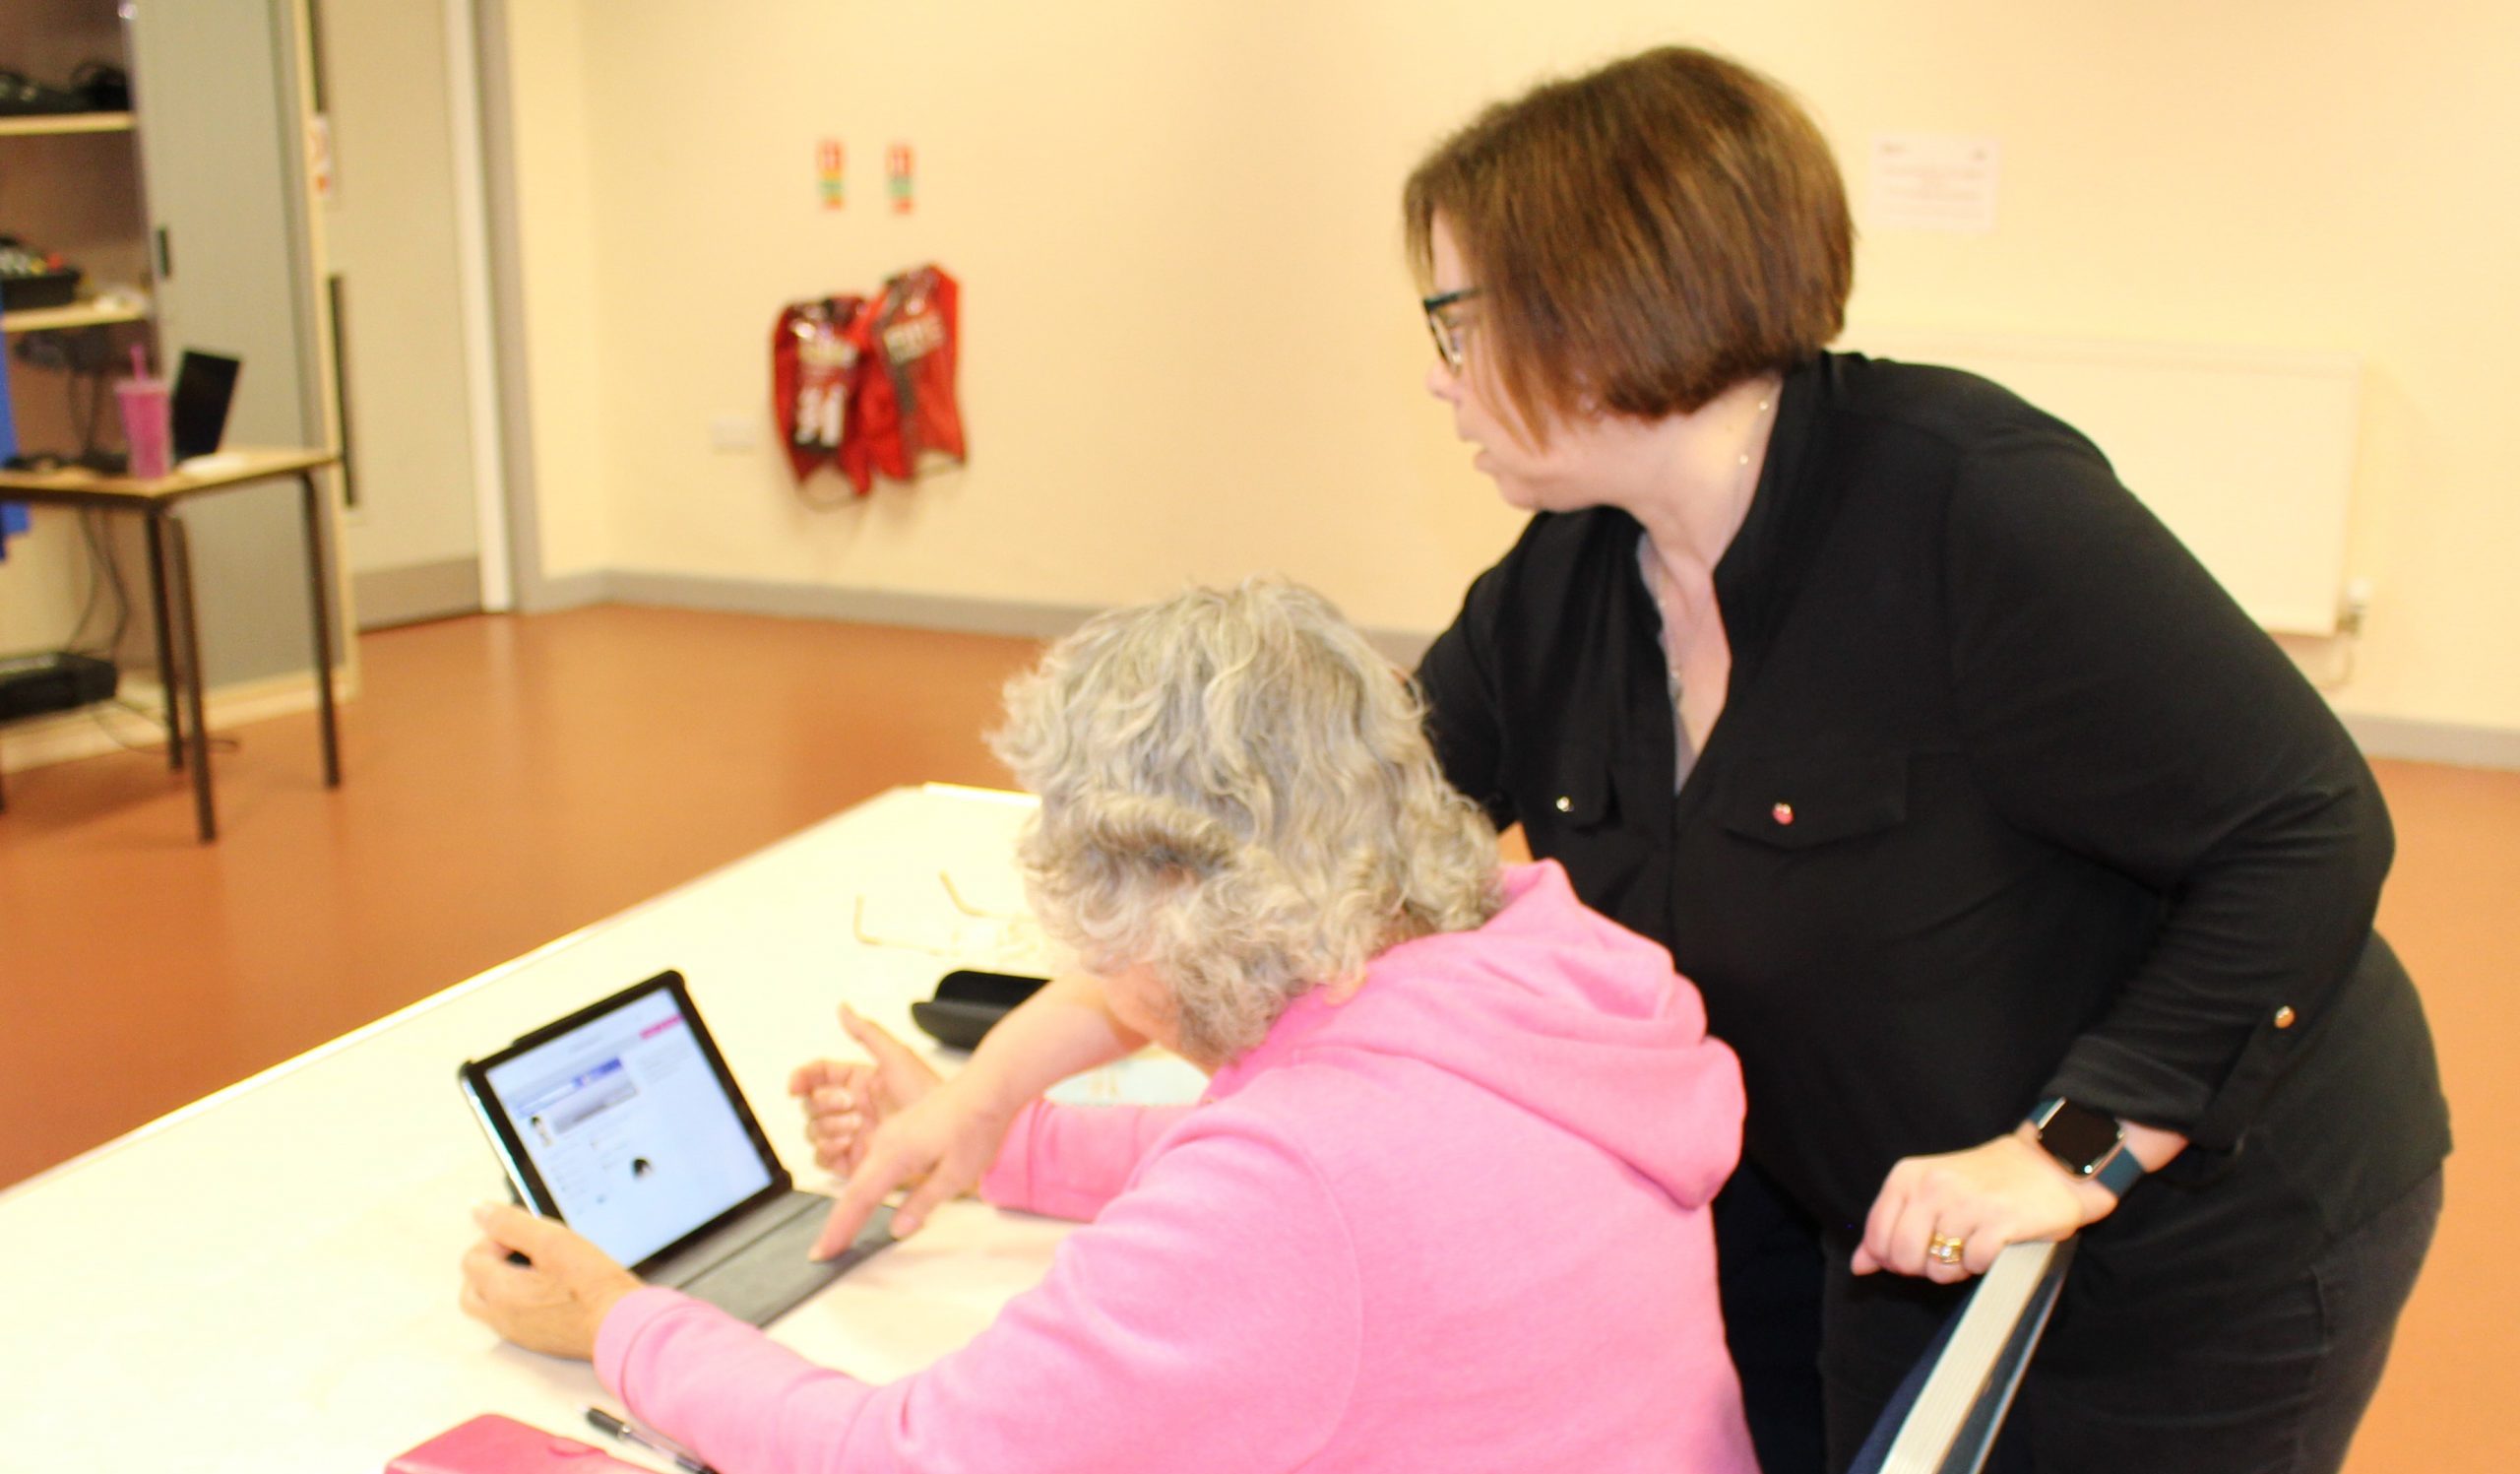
[204, 388]
[622, 1121]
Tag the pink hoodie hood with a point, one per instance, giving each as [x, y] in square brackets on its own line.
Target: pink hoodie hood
[1557, 1008]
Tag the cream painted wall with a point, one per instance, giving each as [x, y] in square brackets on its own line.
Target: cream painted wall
[1190, 346]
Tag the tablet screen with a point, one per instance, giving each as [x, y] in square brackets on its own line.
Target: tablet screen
[626, 1125]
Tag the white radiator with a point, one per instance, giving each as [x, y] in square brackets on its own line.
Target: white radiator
[2248, 454]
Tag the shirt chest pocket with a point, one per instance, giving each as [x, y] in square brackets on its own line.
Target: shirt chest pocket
[1612, 841]
[1838, 849]
[1800, 801]
[1575, 816]
[1579, 795]
[1799, 866]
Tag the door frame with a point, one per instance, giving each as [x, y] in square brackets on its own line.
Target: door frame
[483, 390]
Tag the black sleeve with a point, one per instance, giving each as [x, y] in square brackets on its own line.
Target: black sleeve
[2120, 705]
[1465, 704]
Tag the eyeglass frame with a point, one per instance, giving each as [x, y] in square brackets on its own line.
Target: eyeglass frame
[1447, 332]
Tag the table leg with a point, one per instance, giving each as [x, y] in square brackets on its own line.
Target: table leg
[188, 622]
[319, 597]
[158, 594]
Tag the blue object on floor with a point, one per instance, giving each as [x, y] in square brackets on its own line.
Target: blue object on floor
[13, 515]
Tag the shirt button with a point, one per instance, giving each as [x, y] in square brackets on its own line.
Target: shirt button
[1783, 813]
[2284, 1016]
[1565, 804]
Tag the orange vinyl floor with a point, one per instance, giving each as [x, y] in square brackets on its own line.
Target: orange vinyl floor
[508, 779]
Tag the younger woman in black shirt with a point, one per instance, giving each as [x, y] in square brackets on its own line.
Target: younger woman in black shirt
[2000, 842]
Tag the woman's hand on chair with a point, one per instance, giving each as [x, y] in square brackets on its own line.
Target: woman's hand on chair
[1945, 1217]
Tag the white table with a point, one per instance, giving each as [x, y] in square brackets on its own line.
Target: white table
[267, 1279]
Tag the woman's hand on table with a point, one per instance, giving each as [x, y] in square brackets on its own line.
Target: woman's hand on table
[846, 1103]
[2006, 1191]
[554, 1304]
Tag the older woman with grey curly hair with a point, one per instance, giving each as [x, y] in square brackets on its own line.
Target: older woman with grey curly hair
[1238, 799]
[1246, 840]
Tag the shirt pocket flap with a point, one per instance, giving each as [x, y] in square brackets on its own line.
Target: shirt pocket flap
[1580, 797]
[1795, 800]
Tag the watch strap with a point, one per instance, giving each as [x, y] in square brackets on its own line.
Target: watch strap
[2123, 1169]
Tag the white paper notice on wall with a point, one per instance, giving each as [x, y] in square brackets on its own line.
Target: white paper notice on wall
[1933, 181]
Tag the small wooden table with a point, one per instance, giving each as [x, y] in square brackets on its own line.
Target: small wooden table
[170, 581]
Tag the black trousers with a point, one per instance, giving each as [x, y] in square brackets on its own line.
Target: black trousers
[2276, 1385]
[1769, 1274]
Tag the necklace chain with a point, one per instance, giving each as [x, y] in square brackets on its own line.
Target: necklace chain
[1660, 582]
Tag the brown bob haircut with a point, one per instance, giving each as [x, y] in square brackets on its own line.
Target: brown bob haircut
[1643, 236]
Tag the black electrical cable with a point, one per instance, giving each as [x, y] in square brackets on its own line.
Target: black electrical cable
[99, 389]
[157, 720]
[84, 425]
[104, 571]
[104, 553]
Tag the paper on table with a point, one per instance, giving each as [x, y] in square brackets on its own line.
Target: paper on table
[1149, 1077]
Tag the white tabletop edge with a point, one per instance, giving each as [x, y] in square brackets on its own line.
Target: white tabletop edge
[981, 795]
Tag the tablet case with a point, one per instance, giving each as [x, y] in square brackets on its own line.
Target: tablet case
[492, 1445]
[750, 1260]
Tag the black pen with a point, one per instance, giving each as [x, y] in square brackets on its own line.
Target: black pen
[622, 1428]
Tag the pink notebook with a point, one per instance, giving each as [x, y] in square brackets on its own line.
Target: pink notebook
[492, 1445]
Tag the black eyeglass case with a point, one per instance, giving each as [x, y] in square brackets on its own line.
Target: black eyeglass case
[969, 1003]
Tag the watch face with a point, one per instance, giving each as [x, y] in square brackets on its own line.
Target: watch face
[2080, 1137]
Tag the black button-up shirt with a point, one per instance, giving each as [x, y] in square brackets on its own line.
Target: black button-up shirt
[2007, 799]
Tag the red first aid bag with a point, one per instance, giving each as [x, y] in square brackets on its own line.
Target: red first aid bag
[916, 340]
[818, 365]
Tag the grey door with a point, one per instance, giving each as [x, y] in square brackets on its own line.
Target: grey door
[215, 84]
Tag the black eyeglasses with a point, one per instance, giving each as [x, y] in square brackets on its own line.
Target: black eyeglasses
[1451, 333]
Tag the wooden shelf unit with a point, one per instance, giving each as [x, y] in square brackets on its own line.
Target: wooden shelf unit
[75, 315]
[34, 124]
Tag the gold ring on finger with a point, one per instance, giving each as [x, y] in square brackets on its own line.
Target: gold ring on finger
[1943, 1249]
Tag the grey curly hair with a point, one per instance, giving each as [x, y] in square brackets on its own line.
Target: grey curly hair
[1236, 792]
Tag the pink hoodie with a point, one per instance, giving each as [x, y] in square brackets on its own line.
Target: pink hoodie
[1457, 1222]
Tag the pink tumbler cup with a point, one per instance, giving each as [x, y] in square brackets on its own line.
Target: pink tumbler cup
[145, 431]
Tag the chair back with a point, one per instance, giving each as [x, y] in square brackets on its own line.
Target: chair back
[1944, 1418]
